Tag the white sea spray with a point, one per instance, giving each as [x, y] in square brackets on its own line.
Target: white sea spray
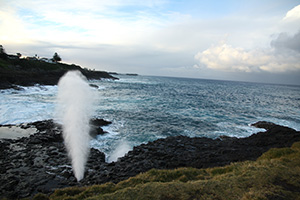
[74, 110]
[122, 148]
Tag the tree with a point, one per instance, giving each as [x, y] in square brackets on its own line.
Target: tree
[3, 55]
[19, 55]
[56, 57]
[2, 51]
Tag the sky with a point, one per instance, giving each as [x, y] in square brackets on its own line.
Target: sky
[241, 40]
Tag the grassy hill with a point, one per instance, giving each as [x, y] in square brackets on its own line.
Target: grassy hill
[275, 175]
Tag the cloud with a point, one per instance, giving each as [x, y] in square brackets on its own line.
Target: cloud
[286, 41]
[289, 38]
[293, 14]
[227, 58]
[291, 21]
[282, 57]
[89, 22]
[153, 36]
[224, 57]
[11, 27]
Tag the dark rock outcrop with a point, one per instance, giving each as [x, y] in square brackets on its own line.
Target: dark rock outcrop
[30, 72]
[25, 78]
[95, 126]
[39, 163]
[182, 151]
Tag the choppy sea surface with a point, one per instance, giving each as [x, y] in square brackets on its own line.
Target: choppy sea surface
[144, 108]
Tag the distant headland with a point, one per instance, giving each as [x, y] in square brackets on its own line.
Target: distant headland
[17, 70]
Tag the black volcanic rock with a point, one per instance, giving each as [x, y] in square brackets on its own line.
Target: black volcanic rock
[95, 125]
[182, 151]
[272, 127]
[99, 122]
[39, 163]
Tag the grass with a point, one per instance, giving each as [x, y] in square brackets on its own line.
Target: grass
[275, 175]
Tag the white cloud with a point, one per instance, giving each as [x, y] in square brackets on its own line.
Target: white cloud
[11, 27]
[293, 14]
[89, 22]
[224, 57]
[151, 36]
[227, 58]
[291, 21]
[283, 57]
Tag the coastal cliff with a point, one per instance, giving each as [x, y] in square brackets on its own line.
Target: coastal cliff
[27, 72]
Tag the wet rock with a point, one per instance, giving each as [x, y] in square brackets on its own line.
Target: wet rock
[99, 122]
[94, 131]
[182, 151]
[37, 163]
[94, 86]
[40, 163]
[269, 126]
[95, 127]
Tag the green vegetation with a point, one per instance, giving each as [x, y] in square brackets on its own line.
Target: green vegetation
[16, 71]
[275, 175]
[56, 57]
[24, 64]
[15, 63]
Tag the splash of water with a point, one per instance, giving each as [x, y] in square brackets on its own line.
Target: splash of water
[74, 110]
[122, 148]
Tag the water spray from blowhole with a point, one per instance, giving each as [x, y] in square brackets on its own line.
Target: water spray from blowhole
[74, 111]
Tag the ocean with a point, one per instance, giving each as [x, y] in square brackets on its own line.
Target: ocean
[146, 108]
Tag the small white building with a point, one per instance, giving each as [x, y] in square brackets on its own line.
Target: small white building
[47, 60]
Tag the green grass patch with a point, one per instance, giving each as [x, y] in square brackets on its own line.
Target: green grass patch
[275, 175]
[277, 153]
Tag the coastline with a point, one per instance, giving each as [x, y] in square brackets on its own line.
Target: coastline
[22, 72]
[39, 163]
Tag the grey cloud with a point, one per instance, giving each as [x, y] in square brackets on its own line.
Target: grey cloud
[285, 41]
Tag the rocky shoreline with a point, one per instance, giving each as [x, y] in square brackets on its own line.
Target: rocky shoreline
[39, 163]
